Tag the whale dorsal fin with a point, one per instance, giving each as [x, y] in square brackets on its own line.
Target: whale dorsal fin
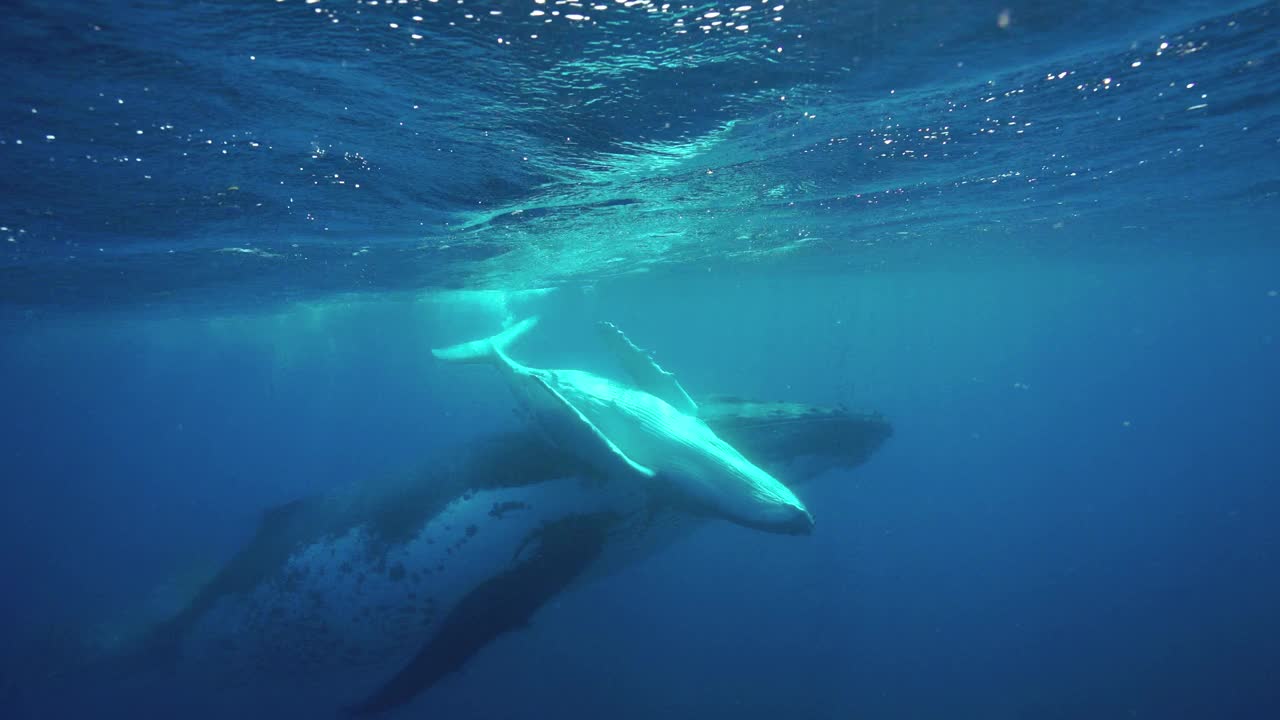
[588, 438]
[647, 374]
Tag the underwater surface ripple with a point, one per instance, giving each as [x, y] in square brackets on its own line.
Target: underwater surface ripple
[223, 151]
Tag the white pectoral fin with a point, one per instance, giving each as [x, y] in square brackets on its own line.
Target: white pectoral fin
[645, 371]
[590, 441]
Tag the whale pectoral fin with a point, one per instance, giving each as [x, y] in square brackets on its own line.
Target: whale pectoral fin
[647, 374]
[606, 455]
[504, 602]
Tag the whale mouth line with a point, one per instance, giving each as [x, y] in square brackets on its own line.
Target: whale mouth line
[801, 524]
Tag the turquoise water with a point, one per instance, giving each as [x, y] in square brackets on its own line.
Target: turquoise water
[1040, 240]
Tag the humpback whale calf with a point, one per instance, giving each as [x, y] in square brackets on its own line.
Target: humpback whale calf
[636, 436]
[367, 596]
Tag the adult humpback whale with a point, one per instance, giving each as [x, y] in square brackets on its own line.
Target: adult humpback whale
[647, 436]
[371, 594]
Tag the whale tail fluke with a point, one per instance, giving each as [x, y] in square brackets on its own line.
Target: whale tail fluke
[488, 349]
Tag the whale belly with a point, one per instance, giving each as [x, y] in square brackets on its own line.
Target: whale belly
[347, 611]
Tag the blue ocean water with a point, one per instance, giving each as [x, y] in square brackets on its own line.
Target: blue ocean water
[1039, 238]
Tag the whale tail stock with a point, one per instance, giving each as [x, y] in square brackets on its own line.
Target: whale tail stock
[490, 349]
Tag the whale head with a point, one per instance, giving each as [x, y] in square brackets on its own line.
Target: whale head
[796, 441]
[763, 502]
[788, 520]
